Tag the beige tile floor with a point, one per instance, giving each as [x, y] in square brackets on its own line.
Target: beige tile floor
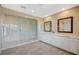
[36, 48]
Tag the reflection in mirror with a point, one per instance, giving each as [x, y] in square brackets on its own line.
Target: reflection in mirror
[47, 26]
[65, 25]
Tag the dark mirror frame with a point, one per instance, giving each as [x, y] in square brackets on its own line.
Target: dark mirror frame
[50, 24]
[71, 25]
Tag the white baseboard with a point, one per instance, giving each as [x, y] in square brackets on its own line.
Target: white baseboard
[20, 44]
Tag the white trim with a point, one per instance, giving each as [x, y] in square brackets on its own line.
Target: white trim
[20, 44]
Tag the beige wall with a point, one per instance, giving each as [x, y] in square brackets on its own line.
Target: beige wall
[66, 41]
[67, 13]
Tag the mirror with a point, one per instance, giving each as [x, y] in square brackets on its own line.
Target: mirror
[47, 26]
[65, 25]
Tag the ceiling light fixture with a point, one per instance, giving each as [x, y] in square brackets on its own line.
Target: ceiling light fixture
[23, 7]
[33, 11]
[63, 9]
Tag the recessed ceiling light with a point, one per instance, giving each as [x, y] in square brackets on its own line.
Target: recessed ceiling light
[23, 7]
[63, 9]
[33, 11]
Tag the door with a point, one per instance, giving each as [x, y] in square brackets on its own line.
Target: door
[28, 29]
[17, 30]
[10, 31]
[0, 38]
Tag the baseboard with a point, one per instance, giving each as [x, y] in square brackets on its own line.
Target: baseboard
[19, 44]
[58, 48]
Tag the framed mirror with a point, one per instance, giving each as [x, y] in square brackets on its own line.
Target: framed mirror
[47, 26]
[65, 25]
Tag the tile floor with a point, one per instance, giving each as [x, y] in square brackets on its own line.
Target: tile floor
[36, 48]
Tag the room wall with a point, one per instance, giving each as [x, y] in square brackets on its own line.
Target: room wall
[67, 13]
[66, 41]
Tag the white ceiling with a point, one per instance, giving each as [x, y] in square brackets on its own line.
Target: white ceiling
[39, 10]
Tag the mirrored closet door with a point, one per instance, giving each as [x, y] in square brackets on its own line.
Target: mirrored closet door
[17, 30]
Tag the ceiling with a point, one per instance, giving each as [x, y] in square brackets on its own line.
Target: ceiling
[39, 10]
